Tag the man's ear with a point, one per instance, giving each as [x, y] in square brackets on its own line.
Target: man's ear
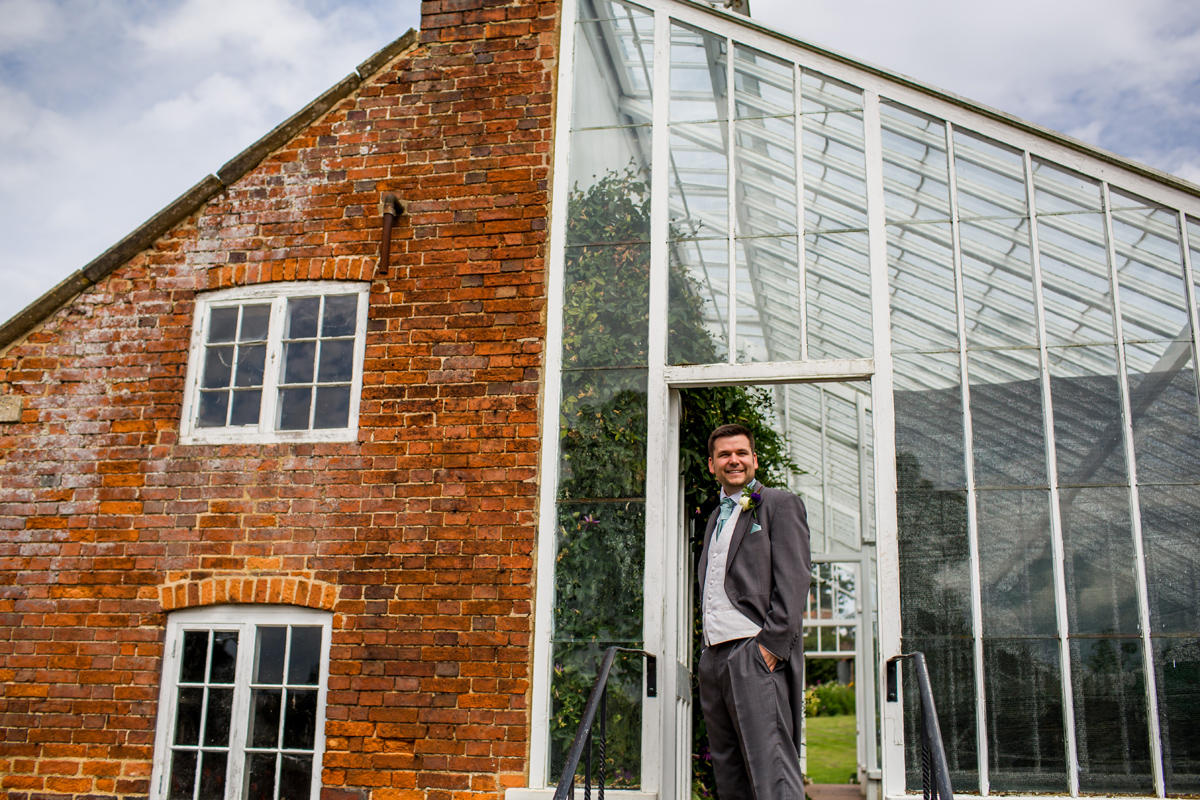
[711, 468]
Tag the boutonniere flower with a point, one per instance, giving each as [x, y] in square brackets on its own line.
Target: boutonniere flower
[749, 502]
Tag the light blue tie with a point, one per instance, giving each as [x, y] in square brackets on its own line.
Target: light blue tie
[726, 512]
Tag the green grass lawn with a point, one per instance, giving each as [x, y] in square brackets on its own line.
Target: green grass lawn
[832, 749]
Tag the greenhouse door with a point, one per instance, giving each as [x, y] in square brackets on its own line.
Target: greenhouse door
[825, 429]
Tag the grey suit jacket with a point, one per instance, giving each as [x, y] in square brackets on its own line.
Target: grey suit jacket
[767, 577]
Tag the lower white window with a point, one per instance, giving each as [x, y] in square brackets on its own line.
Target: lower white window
[276, 362]
[242, 705]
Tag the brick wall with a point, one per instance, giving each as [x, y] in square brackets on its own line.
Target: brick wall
[419, 536]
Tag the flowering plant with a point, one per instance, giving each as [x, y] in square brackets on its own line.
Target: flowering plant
[749, 502]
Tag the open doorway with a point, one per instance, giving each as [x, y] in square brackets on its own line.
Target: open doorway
[814, 439]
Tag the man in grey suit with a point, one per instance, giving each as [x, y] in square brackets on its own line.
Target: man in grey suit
[754, 577]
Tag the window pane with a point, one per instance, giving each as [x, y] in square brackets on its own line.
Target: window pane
[187, 716]
[1162, 398]
[951, 665]
[222, 325]
[921, 277]
[916, 177]
[224, 657]
[194, 661]
[603, 435]
[1177, 663]
[246, 406]
[265, 708]
[835, 177]
[598, 579]
[699, 193]
[768, 299]
[183, 775]
[295, 777]
[609, 199]
[697, 315]
[1098, 540]
[212, 775]
[219, 718]
[1150, 275]
[300, 721]
[293, 409]
[341, 315]
[1075, 285]
[256, 321]
[269, 654]
[1060, 191]
[998, 283]
[820, 94]
[251, 360]
[298, 360]
[218, 367]
[935, 568]
[302, 317]
[304, 663]
[1088, 432]
[929, 422]
[624, 37]
[214, 408]
[1016, 563]
[1110, 716]
[260, 776]
[1006, 418]
[765, 163]
[333, 407]
[695, 58]
[1169, 515]
[990, 178]
[337, 361]
[1027, 750]
[606, 306]
[838, 283]
[763, 86]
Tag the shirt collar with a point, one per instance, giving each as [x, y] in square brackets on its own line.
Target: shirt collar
[737, 496]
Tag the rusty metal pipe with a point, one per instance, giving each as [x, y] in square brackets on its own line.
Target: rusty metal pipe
[392, 209]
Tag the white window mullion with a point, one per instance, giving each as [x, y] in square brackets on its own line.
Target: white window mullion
[1139, 555]
[1058, 548]
[801, 255]
[731, 199]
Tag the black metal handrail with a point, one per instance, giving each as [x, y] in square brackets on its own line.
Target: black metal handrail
[598, 704]
[935, 772]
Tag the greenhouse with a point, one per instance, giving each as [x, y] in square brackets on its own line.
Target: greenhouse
[975, 339]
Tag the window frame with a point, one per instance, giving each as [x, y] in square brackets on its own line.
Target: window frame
[277, 294]
[245, 620]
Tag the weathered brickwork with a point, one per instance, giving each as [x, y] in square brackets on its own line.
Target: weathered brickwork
[418, 537]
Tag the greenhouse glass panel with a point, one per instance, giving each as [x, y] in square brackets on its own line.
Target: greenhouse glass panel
[820, 94]
[929, 423]
[1150, 275]
[613, 65]
[698, 310]
[1110, 715]
[1098, 551]
[698, 76]
[1016, 563]
[921, 277]
[1026, 742]
[916, 178]
[838, 286]
[765, 156]
[989, 177]
[768, 292]
[1169, 515]
[1194, 252]
[998, 283]
[764, 86]
[1075, 285]
[1060, 191]
[1008, 434]
[952, 679]
[835, 175]
[699, 182]
[1162, 398]
[1088, 429]
[1177, 665]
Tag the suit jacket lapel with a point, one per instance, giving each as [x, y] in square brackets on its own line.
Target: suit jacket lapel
[739, 532]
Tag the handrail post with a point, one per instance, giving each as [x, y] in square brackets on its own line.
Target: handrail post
[935, 771]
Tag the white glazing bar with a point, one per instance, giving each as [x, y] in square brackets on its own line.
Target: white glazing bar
[771, 372]
[826, 506]
[543, 621]
[1139, 554]
[660, 590]
[884, 414]
[1059, 555]
[865, 659]
[801, 258]
[731, 199]
[1190, 292]
[981, 740]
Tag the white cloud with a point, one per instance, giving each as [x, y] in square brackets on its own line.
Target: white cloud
[26, 21]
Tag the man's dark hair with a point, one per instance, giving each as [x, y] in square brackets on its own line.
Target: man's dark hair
[732, 429]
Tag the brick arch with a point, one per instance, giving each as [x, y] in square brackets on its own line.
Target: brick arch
[360, 269]
[276, 589]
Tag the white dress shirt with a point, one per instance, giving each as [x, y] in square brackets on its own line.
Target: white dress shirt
[722, 621]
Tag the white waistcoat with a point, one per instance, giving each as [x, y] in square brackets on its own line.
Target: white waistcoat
[722, 621]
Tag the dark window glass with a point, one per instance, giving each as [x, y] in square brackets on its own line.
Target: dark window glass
[295, 776]
[222, 325]
[304, 662]
[1162, 399]
[333, 407]
[1027, 749]
[1170, 516]
[1110, 716]
[300, 720]
[214, 408]
[298, 359]
[256, 321]
[269, 654]
[951, 663]
[1008, 431]
[1016, 563]
[302, 318]
[1098, 543]
[337, 361]
[341, 315]
[251, 362]
[218, 367]
[187, 716]
[246, 406]
[194, 661]
[224, 657]
[265, 708]
[260, 776]
[220, 715]
[183, 775]
[1177, 663]
[293, 409]
[1089, 435]
[212, 775]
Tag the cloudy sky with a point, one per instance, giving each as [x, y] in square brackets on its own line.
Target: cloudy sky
[109, 109]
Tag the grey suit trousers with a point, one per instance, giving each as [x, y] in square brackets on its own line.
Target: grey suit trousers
[747, 709]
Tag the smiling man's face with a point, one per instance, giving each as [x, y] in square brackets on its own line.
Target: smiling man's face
[733, 462]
